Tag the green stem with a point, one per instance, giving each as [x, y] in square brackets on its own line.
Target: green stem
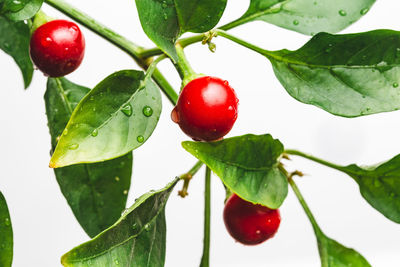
[307, 210]
[121, 42]
[183, 66]
[187, 177]
[315, 159]
[150, 70]
[205, 259]
[242, 42]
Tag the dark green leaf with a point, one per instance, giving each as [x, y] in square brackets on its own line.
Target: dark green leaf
[248, 166]
[137, 239]
[334, 254]
[110, 121]
[6, 234]
[165, 20]
[97, 192]
[308, 16]
[28, 10]
[380, 186]
[14, 40]
[347, 75]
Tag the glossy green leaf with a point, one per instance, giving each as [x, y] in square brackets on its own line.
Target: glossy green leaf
[96, 192]
[21, 9]
[248, 166]
[347, 75]
[137, 239]
[110, 121]
[307, 16]
[333, 254]
[6, 234]
[380, 186]
[165, 20]
[14, 40]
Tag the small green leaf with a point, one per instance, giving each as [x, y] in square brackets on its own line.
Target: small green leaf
[380, 186]
[334, 254]
[28, 9]
[109, 121]
[347, 75]
[6, 234]
[97, 192]
[165, 20]
[308, 16]
[248, 166]
[14, 40]
[137, 239]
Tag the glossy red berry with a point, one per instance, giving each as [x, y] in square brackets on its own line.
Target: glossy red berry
[57, 47]
[248, 223]
[207, 108]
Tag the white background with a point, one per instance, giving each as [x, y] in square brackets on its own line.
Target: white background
[45, 228]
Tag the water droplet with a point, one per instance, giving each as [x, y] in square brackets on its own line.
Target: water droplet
[117, 178]
[125, 192]
[147, 227]
[47, 41]
[377, 183]
[116, 262]
[395, 85]
[147, 111]
[164, 4]
[73, 29]
[95, 132]
[7, 222]
[364, 11]
[65, 132]
[140, 139]
[73, 146]
[296, 22]
[258, 232]
[342, 12]
[175, 115]
[127, 110]
[165, 16]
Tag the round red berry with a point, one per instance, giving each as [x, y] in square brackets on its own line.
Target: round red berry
[206, 109]
[248, 223]
[57, 47]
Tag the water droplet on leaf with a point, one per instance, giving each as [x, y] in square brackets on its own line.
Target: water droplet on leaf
[295, 22]
[364, 11]
[125, 192]
[73, 146]
[147, 111]
[117, 178]
[395, 85]
[342, 13]
[95, 132]
[140, 139]
[147, 227]
[127, 110]
[7, 222]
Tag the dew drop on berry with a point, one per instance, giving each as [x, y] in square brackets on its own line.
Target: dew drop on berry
[226, 83]
[73, 29]
[175, 116]
[47, 41]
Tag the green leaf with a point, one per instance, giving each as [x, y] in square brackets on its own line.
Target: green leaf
[347, 75]
[334, 254]
[24, 9]
[165, 20]
[97, 192]
[114, 118]
[14, 40]
[380, 186]
[136, 239]
[6, 234]
[307, 16]
[248, 165]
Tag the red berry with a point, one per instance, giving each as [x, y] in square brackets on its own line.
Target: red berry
[57, 47]
[248, 223]
[207, 108]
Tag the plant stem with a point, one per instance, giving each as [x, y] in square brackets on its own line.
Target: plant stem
[150, 70]
[205, 259]
[121, 42]
[315, 159]
[241, 42]
[307, 210]
[183, 66]
[187, 177]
